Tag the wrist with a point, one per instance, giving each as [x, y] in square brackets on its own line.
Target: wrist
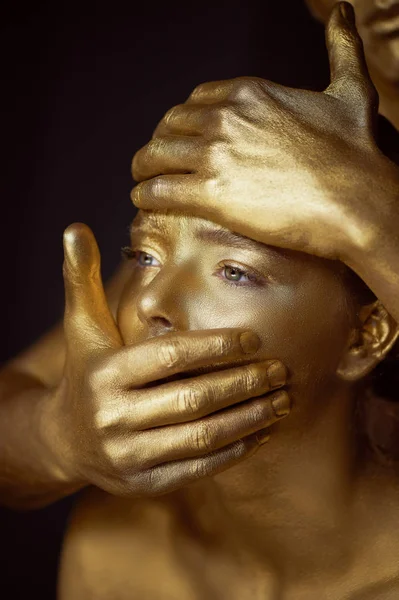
[58, 439]
[374, 219]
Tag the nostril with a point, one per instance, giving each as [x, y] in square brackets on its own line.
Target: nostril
[162, 322]
[159, 326]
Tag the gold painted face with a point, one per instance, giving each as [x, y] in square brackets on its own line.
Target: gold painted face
[190, 274]
[378, 24]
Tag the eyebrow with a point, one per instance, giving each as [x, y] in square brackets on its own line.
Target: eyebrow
[150, 224]
[214, 235]
[225, 237]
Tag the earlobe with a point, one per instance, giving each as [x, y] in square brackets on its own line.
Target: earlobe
[369, 344]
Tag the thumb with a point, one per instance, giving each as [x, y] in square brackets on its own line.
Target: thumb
[88, 322]
[348, 67]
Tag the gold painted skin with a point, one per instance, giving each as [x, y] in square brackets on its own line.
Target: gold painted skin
[311, 515]
[114, 544]
[97, 425]
[31, 474]
[291, 168]
[378, 24]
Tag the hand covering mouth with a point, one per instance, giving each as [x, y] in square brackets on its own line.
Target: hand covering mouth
[218, 366]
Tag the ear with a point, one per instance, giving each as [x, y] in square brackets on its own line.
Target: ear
[370, 343]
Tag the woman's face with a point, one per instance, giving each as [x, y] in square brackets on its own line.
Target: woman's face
[190, 274]
[378, 25]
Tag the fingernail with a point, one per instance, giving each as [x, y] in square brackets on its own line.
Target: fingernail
[249, 342]
[281, 404]
[277, 375]
[347, 12]
[262, 436]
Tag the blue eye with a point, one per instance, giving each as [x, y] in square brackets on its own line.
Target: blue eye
[147, 260]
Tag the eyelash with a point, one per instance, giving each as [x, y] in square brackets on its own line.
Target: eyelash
[253, 277]
[129, 254]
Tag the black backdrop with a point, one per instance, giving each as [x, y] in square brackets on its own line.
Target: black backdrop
[83, 88]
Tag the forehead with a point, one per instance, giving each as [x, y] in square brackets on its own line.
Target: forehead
[175, 227]
[164, 223]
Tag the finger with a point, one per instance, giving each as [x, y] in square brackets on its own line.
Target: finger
[349, 73]
[196, 397]
[183, 193]
[211, 92]
[206, 435]
[184, 119]
[171, 476]
[88, 323]
[169, 154]
[161, 357]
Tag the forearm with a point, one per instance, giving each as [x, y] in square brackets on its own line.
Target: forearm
[32, 468]
[376, 260]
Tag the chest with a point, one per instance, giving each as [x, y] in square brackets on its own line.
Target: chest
[116, 550]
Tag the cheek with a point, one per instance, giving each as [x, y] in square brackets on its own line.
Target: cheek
[307, 328]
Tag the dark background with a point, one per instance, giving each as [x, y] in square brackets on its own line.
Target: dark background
[83, 88]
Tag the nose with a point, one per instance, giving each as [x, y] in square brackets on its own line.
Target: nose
[160, 305]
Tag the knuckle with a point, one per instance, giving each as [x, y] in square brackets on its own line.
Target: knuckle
[169, 115]
[243, 89]
[170, 354]
[121, 452]
[147, 482]
[105, 419]
[188, 401]
[202, 468]
[136, 193]
[93, 379]
[153, 482]
[253, 377]
[197, 91]
[100, 375]
[153, 188]
[214, 151]
[221, 118]
[221, 345]
[212, 191]
[240, 448]
[348, 39]
[109, 455]
[202, 437]
[156, 482]
[261, 410]
[154, 148]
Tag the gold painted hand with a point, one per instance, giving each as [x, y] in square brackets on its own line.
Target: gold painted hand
[127, 432]
[290, 168]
